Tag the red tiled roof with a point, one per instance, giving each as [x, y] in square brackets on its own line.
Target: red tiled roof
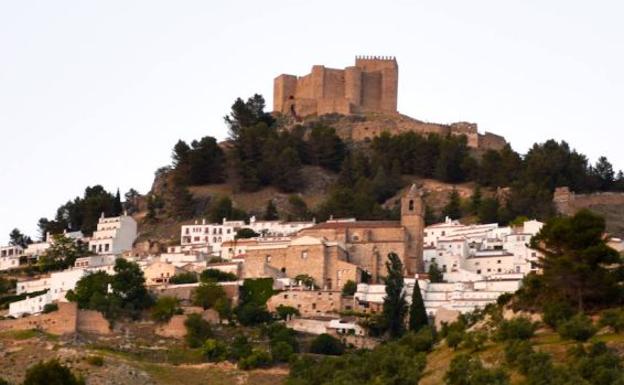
[356, 224]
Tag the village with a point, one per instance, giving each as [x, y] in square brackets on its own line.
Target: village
[331, 271]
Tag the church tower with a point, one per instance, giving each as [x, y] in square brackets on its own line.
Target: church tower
[413, 221]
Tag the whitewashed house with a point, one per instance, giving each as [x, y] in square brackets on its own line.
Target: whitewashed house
[113, 235]
[10, 257]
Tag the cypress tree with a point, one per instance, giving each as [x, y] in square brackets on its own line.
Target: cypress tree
[270, 212]
[418, 315]
[394, 306]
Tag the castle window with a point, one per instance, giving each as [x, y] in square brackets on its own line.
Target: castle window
[304, 254]
[411, 205]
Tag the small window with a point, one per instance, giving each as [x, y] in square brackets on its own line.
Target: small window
[411, 205]
[304, 254]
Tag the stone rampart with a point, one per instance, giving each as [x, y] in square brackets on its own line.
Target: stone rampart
[66, 320]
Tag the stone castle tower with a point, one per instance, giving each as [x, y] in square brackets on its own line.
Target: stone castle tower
[413, 221]
[369, 86]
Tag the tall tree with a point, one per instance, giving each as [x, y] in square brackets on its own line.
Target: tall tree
[117, 206]
[394, 305]
[128, 288]
[417, 313]
[604, 174]
[270, 213]
[578, 266]
[288, 176]
[453, 207]
[17, 238]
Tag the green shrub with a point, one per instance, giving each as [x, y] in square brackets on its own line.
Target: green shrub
[557, 312]
[239, 348]
[50, 307]
[165, 308]
[4, 382]
[468, 370]
[328, 345]
[51, 372]
[215, 275]
[95, 360]
[474, 341]
[197, 330]
[516, 351]
[182, 278]
[454, 338]
[281, 351]
[207, 295]
[613, 318]
[214, 351]
[349, 288]
[422, 341]
[504, 299]
[579, 328]
[257, 359]
[519, 328]
[252, 314]
[283, 312]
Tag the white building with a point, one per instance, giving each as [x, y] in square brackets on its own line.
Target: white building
[33, 285]
[113, 235]
[209, 234]
[36, 249]
[277, 228]
[461, 296]
[59, 284]
[93, 263]
[10, 257]
[476, 252]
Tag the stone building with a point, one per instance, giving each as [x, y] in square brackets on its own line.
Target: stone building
[368, 243]
[325, 261]
[369, 86]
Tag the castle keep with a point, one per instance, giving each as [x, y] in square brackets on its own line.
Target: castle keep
[368, 86]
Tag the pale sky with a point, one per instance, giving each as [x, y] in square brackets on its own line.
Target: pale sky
[98, 92]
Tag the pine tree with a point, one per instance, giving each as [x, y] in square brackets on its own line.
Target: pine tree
[288, 176]
[435, 274]
[270, 213]
[418, 315]
[117, 206]
[453, 208]
[394, 305]
[475, 200]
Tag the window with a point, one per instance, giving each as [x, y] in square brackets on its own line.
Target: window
[411, 205]
[304, 254]
[499, 261]
[106, 247]
[267, 258]
[478, 271]
[285, 296]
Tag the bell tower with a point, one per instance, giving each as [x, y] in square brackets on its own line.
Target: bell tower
[413, 221]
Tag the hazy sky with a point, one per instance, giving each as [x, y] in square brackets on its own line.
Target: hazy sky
[98, 92]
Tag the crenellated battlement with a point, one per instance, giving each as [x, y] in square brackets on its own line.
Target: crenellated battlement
[377, 58]
[369, 86]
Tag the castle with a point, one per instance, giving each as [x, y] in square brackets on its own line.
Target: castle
[369, 91]
[369, 86]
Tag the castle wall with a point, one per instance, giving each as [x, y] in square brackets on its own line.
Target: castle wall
[489, 141]
[369, 86]
[309, 303]
[568, 203]
[66, 320]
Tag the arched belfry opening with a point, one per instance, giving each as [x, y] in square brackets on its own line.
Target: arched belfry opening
[411, 205]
